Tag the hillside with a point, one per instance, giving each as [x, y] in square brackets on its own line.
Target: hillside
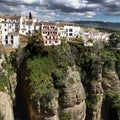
[106, 26]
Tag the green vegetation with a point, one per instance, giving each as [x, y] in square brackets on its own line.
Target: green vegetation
[1, 117]
[92, 102]
[46, 67]
[63, 39]
[94, 61]
[114, 39]
[90, 40]
[65, 116]
[113, 100]
[109, 30]
[3, 81]
[5, 72]
[9, 70]
[79, 39]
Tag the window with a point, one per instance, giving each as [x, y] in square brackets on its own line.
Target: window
[6, 41]
[29, 32]
[70, 30]
[6, 37]
[5, 24]
[56, 41]
[49, 41]
[11, 36]
[11, 41]
[70, 34]
[5, 29]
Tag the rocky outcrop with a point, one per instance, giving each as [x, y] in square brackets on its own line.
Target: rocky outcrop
[36, 112]
[6, 106]
[7, 91]
[111, 81]
[72, 95]
[79, 94]
[69, 100]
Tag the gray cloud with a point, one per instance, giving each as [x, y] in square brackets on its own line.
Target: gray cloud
[81, 7]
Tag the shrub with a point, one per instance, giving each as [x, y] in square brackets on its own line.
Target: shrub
[64, 116]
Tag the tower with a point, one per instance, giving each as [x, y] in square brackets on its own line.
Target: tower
[30, 15]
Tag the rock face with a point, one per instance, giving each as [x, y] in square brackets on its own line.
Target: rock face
[6, 106]
[80, 95]
[72, 95]
[37, 113]
[70, 100]
[111, 81]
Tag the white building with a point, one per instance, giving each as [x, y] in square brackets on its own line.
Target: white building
[11, 40]
[9, 26]
[28, 25]
[69, 30]
[50, 33]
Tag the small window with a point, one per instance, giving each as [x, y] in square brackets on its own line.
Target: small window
[6, 41]
[6, 37]
[56, 41]
[5, 29]
[11, 36]
[70, 30]
[70, 34]
[11, 41]
[5, 24]
[49, 41]
[29, 32]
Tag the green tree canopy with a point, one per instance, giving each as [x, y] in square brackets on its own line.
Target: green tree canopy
[114, 39]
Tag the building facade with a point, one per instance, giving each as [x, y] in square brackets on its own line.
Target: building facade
[50, 33]
[9, 27]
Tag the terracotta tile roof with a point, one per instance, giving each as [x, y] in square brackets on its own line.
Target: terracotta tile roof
[49, 23]
[29, 22]
[9, 17]
[37, 23]
[15, 33]
[4, 22]
[23, 29]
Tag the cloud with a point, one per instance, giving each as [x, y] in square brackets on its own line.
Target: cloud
[61, 9]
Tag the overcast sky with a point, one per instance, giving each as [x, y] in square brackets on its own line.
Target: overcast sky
[67, 10]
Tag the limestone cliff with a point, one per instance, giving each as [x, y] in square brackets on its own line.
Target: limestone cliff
[72, 95]
[7, 90]
[66, 82]
[6, 106]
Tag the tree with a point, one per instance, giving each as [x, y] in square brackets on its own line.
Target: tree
[63, 39]
[114, 39]
[90, 40]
